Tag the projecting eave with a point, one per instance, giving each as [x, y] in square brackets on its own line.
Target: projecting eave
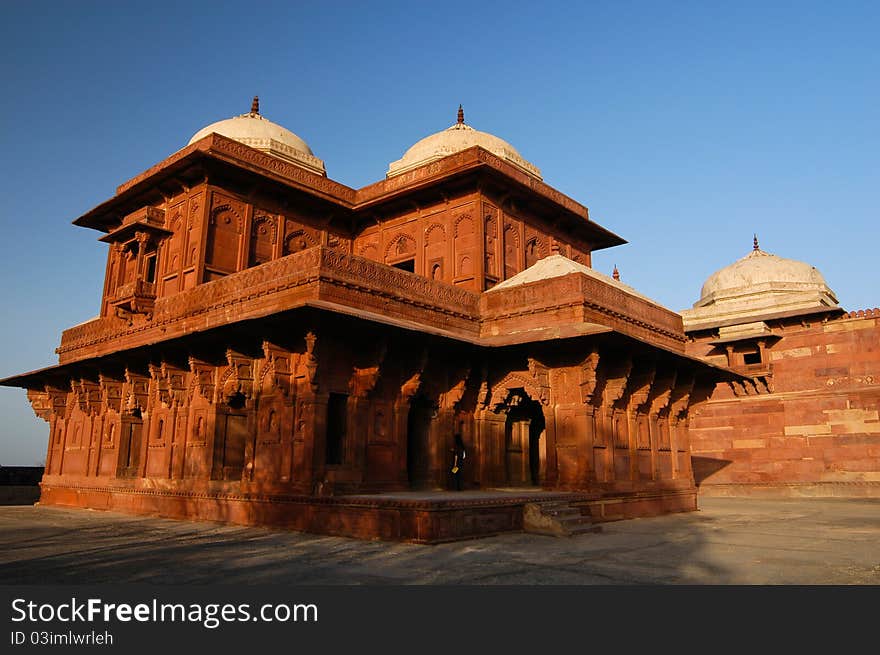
[693, 322]
[187, 167]
[473, 163]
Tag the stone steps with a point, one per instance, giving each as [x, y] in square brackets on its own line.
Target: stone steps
[559, 518]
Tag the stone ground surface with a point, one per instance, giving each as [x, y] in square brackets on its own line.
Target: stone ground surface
[729, 541]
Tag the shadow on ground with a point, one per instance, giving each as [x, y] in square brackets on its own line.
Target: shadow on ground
[730, 541]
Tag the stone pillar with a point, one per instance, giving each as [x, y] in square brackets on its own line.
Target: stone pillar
[399, 421]
[549, 473]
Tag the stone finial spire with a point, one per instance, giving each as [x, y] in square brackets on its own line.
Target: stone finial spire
[616, 274]
[460, 115]
[755, 243]
[255, 105]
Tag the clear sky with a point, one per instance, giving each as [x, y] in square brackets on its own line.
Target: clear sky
[685, 127]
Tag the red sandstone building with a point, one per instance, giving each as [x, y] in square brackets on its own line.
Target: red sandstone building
[276, 347]
[804, 419]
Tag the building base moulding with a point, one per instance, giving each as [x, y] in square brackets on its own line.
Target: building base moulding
[444, 516]
[854, 489]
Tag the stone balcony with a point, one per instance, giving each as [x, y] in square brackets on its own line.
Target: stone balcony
[137, 297]
[318, 277]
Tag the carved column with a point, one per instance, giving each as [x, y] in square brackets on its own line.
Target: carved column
[657, 411]
[614, 421]
[588, 381]
[641, 462]
[361, 384]
[678, 407]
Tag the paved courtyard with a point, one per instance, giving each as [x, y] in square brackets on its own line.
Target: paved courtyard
[729, 541]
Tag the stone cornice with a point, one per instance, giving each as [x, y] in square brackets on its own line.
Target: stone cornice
[324, 278]
[220, 148]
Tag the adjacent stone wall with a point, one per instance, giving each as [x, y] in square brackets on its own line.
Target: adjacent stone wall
[817, 432]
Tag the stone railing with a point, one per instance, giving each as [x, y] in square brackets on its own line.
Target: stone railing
[402, 286]
[135, 289]
[309, 266]
[864, 313]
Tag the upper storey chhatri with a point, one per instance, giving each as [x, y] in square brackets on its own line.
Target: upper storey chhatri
[259, 133]
[456, 138]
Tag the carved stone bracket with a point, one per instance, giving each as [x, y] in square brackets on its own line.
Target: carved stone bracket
[639, 387]
[412, 385]
[202, 380]
[541, 376]
[58, 398]
[589, 376]
[275, 370]
[364, 379]
[111, 394]
[136, 392]
[169, 383]
[681, 396]
[451, 398]
[661, 394]
[483, 393]
[616, 382]
[311, 362]
[41, 403]
[90, 393]
[237, 378]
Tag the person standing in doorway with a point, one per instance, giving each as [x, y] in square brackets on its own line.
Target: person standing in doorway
[459, 454]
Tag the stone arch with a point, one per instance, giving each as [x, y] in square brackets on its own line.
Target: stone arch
[263, 224]
[459, 230]
[297, 241]
[434, 233]
[513, 381]
[402, 244]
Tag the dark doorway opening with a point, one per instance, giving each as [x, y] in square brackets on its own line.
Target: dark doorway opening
[337, 425]
[130, 448]
[418, 456]
[524, 442]
[229, 450]
[408, 265]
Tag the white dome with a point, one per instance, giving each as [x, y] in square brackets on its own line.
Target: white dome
[258, 132]
[762, 271]
[760, 284]
[455, 139]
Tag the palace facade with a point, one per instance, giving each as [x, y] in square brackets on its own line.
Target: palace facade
[274, 347]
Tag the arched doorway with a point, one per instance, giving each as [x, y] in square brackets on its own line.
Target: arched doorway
[524, 441]
[418, 459]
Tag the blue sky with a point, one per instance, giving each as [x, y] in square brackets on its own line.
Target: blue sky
[685, 127]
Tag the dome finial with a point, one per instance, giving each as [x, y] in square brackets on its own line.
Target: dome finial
[616, 274]
[755, 243]
[255, 105]
[460, 115]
